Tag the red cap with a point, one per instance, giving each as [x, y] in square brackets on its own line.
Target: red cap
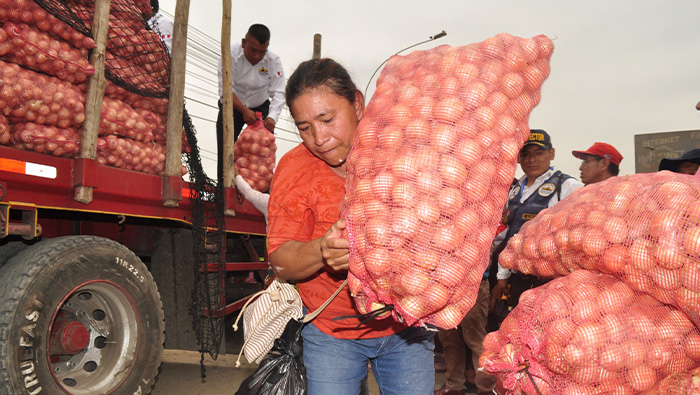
[603, 150]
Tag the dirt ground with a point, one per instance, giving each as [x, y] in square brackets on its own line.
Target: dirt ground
[180, 375]
[180, 372]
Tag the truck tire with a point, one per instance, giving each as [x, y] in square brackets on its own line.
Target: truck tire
[10, 249]
[79, 315]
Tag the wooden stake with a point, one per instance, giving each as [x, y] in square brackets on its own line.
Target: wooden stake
[317, 46]
[176, 101]
[227, 101]
[95, 92]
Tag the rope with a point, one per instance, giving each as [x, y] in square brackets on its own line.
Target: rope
[532, 379]
[367, 317]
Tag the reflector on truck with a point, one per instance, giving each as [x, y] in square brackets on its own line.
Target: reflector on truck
[28, 168]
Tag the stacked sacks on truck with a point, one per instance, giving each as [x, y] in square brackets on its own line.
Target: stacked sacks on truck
[50, 40]
[429, 172]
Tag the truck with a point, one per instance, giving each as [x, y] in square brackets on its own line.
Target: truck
[99, 265]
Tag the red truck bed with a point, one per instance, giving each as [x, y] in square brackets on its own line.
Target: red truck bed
[49, 182]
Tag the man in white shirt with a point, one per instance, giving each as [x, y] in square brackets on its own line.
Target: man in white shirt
[161, 25]
[541, 187]
[258, 85]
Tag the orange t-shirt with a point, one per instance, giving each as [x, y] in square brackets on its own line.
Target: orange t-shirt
[304, 202]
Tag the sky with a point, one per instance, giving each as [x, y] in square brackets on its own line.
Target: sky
[619, 68]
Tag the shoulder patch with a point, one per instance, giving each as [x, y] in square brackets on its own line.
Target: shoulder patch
[514, 192]
[547, 189]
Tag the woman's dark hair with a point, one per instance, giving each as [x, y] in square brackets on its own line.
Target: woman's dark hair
[260, 32]
[317, 73]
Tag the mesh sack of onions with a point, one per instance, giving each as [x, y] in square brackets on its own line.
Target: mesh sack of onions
[31, 48]
[157, 105]
[118, 118]
[29, 96]
[589, 333]
[683, 383]
[644, 229]
[159, 123]
[255, 152]
[130, 154]
[31, 13]
[5, 132]
[46, 139]
[135, 55]
[429, 172]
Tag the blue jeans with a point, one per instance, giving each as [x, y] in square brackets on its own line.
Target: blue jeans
[402, 364]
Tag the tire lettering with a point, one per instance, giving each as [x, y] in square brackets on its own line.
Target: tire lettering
[30, 379]
[138, 391]
[27, 367]
[37, 303]
[32, 316]
[29, 329]
[25, 342]
[123, 263]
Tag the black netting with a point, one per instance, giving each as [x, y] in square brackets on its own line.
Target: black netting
[136, 59]
[208, 300]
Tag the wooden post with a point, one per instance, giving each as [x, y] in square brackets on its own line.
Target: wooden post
[317, 46]
[95, 92]
[227, 101]
[176, 101]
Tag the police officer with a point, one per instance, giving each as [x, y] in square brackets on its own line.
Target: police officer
[541, 187]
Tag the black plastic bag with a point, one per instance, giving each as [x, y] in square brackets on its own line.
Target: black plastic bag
[283, 371]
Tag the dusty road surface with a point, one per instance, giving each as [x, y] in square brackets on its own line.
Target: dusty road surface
[180, 372]
[180, 375]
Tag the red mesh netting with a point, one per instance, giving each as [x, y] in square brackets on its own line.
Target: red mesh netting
[255, 152]
[684, 383]
[157, 105]
[644, 229]
[136, 58]
[46, 139]
[59, 21]
[429, 172]
[589, 333]
[130, 154]
[29, 96]
[31, 48]
[118, 118]
[5, 133]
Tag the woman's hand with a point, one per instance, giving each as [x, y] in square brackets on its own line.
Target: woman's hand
[335, 250]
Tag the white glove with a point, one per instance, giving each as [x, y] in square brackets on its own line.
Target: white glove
[257, 199]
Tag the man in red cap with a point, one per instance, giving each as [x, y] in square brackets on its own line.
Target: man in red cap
[600, 162]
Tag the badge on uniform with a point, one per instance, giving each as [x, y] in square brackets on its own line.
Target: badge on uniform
[263, 71]
[514, 192]
[547, 189]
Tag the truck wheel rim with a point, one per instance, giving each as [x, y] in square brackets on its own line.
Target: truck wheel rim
[112, 322]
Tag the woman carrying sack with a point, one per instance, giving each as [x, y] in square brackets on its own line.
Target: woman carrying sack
[307, 245]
